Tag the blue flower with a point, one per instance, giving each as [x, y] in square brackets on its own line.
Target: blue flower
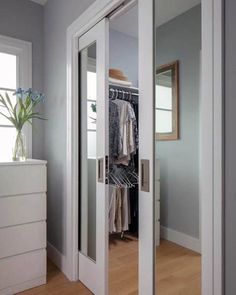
[42, 97]
[34, 96]
[19, 93]
[28, 92]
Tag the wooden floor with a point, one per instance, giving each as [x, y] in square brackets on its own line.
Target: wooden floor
[178, 272]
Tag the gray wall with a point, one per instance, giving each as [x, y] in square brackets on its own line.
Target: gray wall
[124, 54]
[58, 15]
[24, 20]
[230, 148]
[180, 39]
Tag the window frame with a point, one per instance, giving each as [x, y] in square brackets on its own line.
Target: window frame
[23, 52]
[174, 135]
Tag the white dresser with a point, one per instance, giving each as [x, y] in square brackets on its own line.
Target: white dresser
[22, 225]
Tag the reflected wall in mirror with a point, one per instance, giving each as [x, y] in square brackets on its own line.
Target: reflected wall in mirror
[177, 162]
[88, 153]
[167, 102]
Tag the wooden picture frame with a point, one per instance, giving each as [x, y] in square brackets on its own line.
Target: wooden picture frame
[174, 68]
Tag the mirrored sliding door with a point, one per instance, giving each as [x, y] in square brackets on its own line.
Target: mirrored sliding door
[177, 147]
[93, 245]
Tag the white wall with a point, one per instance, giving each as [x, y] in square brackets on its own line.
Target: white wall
[58, 15]
[24, 20]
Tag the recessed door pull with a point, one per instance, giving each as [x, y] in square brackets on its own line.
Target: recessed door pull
[145, 179]
[100, 170]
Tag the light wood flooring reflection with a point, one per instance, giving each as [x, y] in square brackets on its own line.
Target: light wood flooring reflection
[123, 265]
[179, 272]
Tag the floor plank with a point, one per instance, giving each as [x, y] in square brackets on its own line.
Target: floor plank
[178, 272]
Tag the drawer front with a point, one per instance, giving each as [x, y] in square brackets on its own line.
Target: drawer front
[22, 268]
[22, 179]
[22, 209]
[22, 238]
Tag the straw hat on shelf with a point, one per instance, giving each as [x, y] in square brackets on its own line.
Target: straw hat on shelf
[118, 75]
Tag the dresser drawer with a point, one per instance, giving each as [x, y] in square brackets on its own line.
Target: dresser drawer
[22, 238]
[22, 209]
[22, 268]
[22, 179]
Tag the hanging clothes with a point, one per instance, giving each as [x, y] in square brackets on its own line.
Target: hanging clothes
[127, 134]
[119, 209]
[114, 132]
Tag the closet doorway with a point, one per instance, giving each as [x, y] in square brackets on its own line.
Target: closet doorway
[210, 155]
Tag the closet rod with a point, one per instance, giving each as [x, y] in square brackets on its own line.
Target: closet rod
[123, 87]
[123, 91]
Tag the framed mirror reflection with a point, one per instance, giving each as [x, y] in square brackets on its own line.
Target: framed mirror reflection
[167, 101]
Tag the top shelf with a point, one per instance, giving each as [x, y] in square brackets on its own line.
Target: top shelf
[133, 89]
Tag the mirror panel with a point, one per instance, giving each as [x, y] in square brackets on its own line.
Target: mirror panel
[88, 152]
[123, 182]
[177, 147]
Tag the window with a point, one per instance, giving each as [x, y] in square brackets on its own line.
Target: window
[15, 71]
[167, 98]
[164, 109]
[91, 108]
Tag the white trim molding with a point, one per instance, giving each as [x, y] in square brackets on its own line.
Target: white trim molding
[181, 239]
[211, 172]
[56, 257]
[23, 51]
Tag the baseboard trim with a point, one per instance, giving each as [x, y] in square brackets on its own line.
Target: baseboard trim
[181, 239]
[56, 257]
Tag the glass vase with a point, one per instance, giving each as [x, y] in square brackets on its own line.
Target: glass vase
[19, 150]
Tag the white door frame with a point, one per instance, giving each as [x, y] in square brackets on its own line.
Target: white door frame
[211, 140]
[211, 169]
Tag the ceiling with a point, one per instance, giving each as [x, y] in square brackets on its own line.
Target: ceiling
[41, 2]
[165, 11]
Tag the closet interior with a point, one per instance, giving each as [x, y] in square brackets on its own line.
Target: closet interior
[123, 160]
